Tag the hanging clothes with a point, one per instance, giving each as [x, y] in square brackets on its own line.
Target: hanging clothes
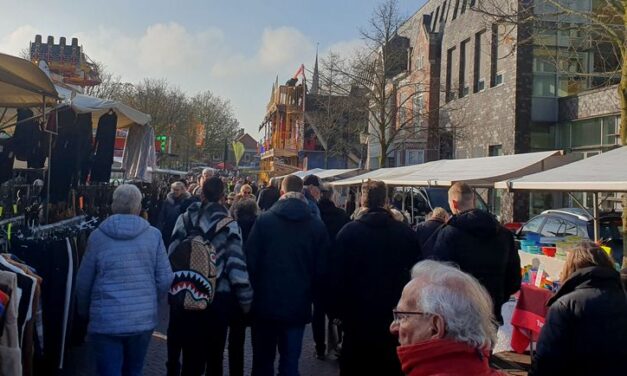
[104, 145]
[24, 132]
[84, 141]
[139, 153]
[39, 152]
[64, 154]
[10, 351]
[7, 157]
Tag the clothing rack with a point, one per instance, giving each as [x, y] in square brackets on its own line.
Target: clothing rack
[54, 226]
[19, 220]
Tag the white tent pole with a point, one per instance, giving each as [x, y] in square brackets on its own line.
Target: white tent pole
[595, 213]
[47, 208]
[411, 193]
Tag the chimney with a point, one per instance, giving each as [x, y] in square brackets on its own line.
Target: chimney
[62, 41]
[50, 40]
[74, 42]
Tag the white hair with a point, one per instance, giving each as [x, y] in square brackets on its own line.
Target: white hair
[178, 184]
[208, 171]
[127, 199]
[459, 299]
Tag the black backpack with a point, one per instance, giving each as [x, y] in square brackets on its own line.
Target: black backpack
[194, 265]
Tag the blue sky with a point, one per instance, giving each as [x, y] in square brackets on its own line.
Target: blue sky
[234, 48]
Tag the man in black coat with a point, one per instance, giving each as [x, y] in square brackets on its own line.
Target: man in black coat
[372, 263]
[476, 241]
[268, 196]
[285, 257]
[334, 219]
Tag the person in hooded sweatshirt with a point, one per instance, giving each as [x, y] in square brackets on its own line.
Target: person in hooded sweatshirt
[124, 273]
[286, 260]
[480, 245]
[202, 334]
[585, 332]
[371, 263]
[171, 209]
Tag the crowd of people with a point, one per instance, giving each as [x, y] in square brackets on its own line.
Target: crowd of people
[386, 298]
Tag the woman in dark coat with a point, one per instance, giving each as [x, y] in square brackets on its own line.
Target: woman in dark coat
[586, 328]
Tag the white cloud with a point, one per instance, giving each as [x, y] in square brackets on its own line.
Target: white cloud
[346, 49]
[18, 40]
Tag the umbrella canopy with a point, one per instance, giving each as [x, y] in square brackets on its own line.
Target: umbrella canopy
[23, 84]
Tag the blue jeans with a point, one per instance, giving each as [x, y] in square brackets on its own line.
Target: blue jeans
[120, 355]
[267, 336]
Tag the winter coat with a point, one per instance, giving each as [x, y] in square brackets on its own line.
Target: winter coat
[231, 262]
[333, 217]
[286, 258]
[476, 242]
[373, 260]
[444, 357]
[123, 274]
[170, 211]
[267, 197]
[426, 233]
[586, 328]
[311, 202]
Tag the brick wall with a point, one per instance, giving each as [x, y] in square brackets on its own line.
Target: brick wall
[593, 103]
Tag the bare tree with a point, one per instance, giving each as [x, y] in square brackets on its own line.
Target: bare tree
[584, 42]
[380, 70]
[218, 121]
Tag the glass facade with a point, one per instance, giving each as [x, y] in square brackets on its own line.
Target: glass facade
[587, 134]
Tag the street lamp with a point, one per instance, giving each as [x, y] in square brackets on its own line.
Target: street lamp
[364, 137]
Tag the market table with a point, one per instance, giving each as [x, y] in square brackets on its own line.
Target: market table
[551, 265]
[529, 315]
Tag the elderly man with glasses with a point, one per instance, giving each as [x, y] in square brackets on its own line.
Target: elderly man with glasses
[444, 323]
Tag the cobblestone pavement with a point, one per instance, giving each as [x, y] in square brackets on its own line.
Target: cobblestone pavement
[79, 359]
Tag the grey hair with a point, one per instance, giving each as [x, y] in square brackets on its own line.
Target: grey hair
[208, 171]
[459, 299]
[127, 199]
[178, 184]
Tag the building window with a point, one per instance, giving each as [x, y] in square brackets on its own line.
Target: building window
[443, 11]
[418, 111]
[495, 150]
[435, 19]
[498, 52]
[449, 72]
[464, 2]
[455, 9]
[420, 62]
[479, 71]
[464, 57]
[414, 157]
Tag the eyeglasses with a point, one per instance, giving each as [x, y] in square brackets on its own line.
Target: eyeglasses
[404, 315]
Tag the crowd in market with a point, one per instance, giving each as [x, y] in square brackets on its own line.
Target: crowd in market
[385, 298]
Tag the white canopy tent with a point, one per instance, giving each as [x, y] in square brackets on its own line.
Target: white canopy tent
[606, 172]
[379, 174]
[127, 115]
[23, 84]
[478, 172]
[324, 174]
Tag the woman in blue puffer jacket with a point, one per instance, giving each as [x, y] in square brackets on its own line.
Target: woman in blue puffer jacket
[123, 275]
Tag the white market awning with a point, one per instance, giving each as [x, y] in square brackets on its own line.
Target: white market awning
[126, 115]
[606, 172]
[323, 174]
[477, 172]
[23, 84]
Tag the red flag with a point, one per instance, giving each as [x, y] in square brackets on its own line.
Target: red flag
[300, 71]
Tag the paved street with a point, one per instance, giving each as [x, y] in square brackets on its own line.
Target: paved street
[79, 363]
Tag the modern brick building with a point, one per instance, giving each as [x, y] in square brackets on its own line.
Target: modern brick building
[490, 89]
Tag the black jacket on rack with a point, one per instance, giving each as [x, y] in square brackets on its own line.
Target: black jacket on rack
[7, 157]
[84, 145]
[63, 165]
[24, 132]
[104, 145]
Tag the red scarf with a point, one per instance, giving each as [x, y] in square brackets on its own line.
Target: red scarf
[444, 357]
